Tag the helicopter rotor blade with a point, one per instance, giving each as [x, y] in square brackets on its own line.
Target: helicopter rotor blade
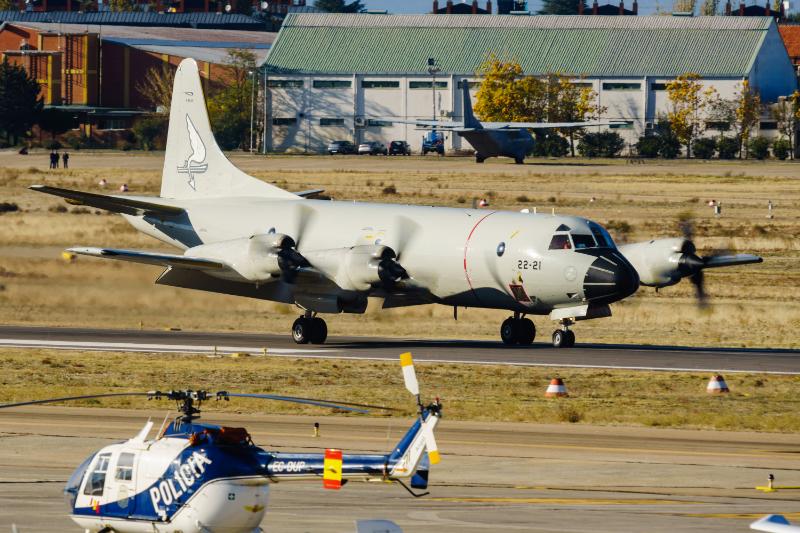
[70, 398]
[409, 374]
[430, 443]
[308, 401]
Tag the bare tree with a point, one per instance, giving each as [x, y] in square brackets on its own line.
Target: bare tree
[156, 87]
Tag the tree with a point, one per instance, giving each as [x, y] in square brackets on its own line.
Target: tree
[688, 102]
[560, 7]
[748, 111]
[230, 107]
[55, 121]
[123, 5]
[19, 101]
[7, 5]
[339, 6]
[156, 86]
[709, 8]
[149, 130]
[786, 113]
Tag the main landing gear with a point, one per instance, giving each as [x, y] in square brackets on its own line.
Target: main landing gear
[516, 330]
[564, 337]
[309, 328]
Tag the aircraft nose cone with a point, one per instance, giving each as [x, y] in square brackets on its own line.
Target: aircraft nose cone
[609, 278]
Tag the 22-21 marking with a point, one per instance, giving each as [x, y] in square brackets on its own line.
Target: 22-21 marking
[528, 264]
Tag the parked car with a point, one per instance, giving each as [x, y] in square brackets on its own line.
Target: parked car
[341, 147]
[399, 148]
[372, 148]
[433, 141]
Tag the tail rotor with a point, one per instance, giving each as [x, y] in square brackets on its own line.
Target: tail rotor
[412, 385]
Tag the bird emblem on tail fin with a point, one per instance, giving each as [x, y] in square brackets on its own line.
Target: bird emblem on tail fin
[195, 163]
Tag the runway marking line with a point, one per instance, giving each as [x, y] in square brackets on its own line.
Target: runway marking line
[566, 501]
[320, 354]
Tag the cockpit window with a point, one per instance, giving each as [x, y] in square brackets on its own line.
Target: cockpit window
[602, 236]
[583, 241]
[124, 467]
[74, 482]
[97, 479]
[560, 242]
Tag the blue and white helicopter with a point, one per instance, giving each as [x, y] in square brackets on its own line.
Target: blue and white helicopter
[202, 478]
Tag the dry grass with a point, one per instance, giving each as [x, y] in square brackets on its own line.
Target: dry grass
[753, 306]
[665, 399]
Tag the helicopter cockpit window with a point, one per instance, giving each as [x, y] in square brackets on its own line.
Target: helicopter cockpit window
[583, 241]
[124, 467]
[97, 478]
[74, 482]
[560, 241]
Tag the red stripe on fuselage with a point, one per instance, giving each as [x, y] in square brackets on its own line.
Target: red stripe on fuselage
[466, 250]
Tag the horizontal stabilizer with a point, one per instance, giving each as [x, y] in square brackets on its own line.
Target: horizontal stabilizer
[149, 258]
[546, 125]
[115, 204]
[731, 260]
[309, 192]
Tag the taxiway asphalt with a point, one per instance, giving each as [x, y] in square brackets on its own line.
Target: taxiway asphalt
[634, 357]
[493, 476]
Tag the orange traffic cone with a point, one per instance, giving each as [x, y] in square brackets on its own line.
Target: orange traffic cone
[556, 389]
[717, 385]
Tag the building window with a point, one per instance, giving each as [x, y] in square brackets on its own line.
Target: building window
[628, 125]
[719, 125]
[764, 126]
[285, 84]
[284, 121]
[331, 122]
[371, 123]
[584, 85]
[658, 86]
[426, 85]
[332, 84]
[112, 124]
[472, 84]
[614, 86]
[380, 84]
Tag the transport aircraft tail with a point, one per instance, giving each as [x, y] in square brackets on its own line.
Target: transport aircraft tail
[470, 122]
[194, 166]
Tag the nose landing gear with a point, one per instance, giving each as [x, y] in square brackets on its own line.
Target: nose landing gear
[516, 330]
[309, 328]
[564, 337]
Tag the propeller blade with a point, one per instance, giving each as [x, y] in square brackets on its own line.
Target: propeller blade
[70, 398]
[698, 280]
[409, 374]
[308, 401]
[715, 261]
[430, 442]
[303, 217]
[406, 229]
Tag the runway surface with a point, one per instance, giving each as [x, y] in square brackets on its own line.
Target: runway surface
[635, 357]
[493, 477]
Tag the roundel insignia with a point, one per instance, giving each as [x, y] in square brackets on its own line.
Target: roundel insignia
[570, 273]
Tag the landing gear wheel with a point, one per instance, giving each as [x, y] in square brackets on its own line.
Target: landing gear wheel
[479, 158]
[319, 331]
[508, 331]
[301, 330]
[519, 160]
[563, 338]
[526, 332]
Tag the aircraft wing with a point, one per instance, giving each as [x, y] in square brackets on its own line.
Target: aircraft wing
[545, 125]
[433, 124]
[150, 258]
[116, 204]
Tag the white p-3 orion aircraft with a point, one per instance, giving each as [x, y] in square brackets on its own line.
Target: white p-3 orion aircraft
[242, 236]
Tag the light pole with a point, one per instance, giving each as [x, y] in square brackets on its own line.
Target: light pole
[252, 74]
[432, 70]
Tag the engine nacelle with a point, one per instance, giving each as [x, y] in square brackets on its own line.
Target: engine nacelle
[255, 258]
[358, 268]
[658, 262]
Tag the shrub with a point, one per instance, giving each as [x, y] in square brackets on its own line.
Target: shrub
[8, 207]
[551, 146]
[727, 147]
[601, 144]
[759, 148]
[781, 148]
[390, 189]
[704, 148]
[148, 130]
[648, 146]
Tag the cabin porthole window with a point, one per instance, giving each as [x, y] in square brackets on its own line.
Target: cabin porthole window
[501, 249]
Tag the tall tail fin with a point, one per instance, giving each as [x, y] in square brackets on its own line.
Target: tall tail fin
[470, 121]
[194, 166]
[409, 454]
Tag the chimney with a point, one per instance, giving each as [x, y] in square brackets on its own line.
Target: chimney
[475, 7]
[635, 7]
[435, 6]
[621, 7]
[595, 8]
[449, 7]
[728, 8]
[580, 7]
[489, 6]
[741, 9]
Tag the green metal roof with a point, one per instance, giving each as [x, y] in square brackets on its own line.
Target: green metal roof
[590, 45]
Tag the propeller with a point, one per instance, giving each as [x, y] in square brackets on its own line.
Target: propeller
[412, 385]
[389, 269]
[692, 265]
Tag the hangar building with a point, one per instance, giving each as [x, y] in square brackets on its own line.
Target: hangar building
[334, 77]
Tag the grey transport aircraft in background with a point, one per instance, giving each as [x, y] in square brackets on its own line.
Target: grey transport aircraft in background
[497, 139]
[242, 236]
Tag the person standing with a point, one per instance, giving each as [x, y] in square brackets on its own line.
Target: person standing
[56, 157]
[52, 159]
[65, 159]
